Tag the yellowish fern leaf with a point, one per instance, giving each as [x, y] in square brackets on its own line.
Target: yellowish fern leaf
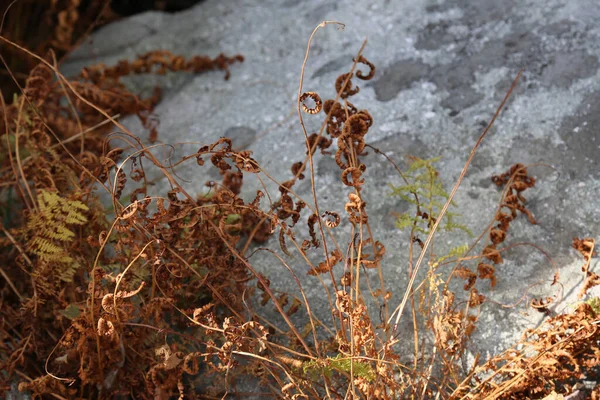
[49, 231]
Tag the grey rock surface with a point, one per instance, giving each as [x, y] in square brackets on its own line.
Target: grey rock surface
[442, 69]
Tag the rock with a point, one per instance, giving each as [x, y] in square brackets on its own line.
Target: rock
[443, 68]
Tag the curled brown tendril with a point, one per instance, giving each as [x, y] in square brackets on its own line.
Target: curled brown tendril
[315, 97]
[355, 173]
[355, 125]
[371, 73]
[282, 232]
[315, 140]
[355, 207]
[487, 271]
[298, 169]
[332, 219]
[348, 89]
[542, 304]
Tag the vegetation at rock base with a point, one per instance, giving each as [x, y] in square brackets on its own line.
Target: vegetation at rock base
[157, 296]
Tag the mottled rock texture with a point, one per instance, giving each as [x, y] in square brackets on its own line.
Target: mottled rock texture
[443, 68]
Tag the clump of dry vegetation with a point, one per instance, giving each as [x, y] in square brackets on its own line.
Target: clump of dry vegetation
[44, 26]
[153, 299]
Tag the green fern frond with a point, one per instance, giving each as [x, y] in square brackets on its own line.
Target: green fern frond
[60, 232]
[594, 302]
[49, 231]
[66, 273]
[425, 183]
[340, 364]
[408, 198]
[457, 252]
[438, 190]
[419, 163]
[44, 246]
[404, 221]
[358, 368]
[48, 251]
[452, 226]
[407, 189]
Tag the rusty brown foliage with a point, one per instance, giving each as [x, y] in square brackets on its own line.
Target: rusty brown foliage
[43, 26]
[515, 181]
[89, 295]
[158, 295]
